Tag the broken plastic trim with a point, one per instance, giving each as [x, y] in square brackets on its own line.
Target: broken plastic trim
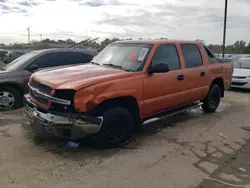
[42, 95]
[89, 125]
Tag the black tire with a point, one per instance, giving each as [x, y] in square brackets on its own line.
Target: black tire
[117, 129]
[17, 97]
[212, 100]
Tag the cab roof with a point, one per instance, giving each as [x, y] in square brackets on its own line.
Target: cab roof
[159, 41]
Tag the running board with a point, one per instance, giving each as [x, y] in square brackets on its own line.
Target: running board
[170, 113]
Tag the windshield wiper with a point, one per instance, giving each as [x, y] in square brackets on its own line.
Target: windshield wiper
[112, 65]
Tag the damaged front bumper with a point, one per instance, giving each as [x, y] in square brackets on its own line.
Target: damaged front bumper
[67, 125]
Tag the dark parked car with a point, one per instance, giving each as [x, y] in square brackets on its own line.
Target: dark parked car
[3, 54]
[15, 76]
[10, 56]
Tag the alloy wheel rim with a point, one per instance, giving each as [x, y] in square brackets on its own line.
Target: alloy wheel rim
[7, 99]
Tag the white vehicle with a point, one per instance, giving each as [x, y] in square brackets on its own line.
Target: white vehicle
[241, 74]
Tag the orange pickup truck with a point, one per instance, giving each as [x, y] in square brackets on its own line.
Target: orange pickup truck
[126, 84]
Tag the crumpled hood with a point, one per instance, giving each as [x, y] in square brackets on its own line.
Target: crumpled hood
[77, 77]
[241, 72]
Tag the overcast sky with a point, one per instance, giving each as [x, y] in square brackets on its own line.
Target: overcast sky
[175, 19]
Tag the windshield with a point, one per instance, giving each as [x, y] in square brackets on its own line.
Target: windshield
[126, 56]
[17, 63]
[242, 64]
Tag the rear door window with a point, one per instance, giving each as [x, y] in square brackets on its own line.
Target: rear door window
[71, 58]
[210, 55]
[191, 55]
[61, 58]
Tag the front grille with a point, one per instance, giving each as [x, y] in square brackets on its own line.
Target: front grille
[39, 99]
[42, 88]
[239, 77]
[239, 83]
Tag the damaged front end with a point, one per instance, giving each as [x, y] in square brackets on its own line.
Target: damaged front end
[61, 123]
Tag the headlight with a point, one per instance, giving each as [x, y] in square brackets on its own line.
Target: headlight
[67, 95]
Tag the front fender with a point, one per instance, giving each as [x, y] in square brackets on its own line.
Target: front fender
[86, 99]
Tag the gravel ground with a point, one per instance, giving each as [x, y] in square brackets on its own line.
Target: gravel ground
[180, 151]
[234, 171]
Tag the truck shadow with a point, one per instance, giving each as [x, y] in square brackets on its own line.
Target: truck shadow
[58, 146]
[196, 113]
[181, 122]
[149, 131]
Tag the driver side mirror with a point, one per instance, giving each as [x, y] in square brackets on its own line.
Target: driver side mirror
[32, 68]
[159, 68]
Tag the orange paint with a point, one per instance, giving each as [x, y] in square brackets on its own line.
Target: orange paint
[154, 93]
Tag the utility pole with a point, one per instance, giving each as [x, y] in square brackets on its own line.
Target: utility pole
[28, 35]
[225, 28]
[41, 37]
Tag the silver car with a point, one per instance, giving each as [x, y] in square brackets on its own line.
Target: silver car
[241, 74]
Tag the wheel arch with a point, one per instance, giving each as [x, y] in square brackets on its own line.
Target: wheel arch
[12, 85]
[128, 102]
[220, 82]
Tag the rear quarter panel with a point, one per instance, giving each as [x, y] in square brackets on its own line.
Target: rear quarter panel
[222, 70]
[217, 69]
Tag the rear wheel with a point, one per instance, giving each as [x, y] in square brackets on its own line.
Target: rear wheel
[212, 100]
[117, 129]
[10, 98]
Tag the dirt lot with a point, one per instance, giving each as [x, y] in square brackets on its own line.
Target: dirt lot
[177, 152]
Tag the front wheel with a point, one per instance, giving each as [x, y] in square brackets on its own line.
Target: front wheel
[10, 98]
[212, 100]
[117, 129]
